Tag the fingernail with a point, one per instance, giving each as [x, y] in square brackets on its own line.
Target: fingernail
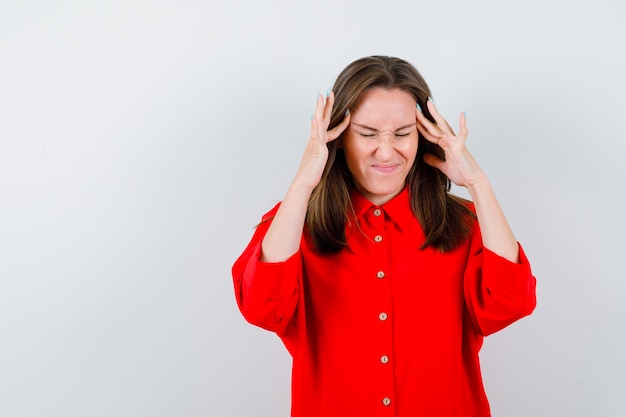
[346, 113]
[418, 107]
[311, 118]
[431, 99]
[328, 92]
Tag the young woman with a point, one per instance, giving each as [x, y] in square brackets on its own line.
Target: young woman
[380, 283]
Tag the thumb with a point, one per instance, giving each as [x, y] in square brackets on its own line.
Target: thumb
[434, 161]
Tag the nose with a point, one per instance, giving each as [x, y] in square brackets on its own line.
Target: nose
[384, 148]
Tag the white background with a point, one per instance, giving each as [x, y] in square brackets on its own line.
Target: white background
[141, 141]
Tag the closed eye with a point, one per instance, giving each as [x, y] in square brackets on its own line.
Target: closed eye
[401, 135]
[368, 135]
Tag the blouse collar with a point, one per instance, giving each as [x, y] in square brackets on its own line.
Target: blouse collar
[398, 208]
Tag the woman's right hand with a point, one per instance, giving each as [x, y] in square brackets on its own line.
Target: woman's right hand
[316, 153]
[283, 236]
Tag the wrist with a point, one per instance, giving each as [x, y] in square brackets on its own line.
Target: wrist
[479, 186]
[301, 186]
[300, 190]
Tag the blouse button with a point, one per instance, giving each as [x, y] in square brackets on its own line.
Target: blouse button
[386, 401]
[378, 238]
[380, 274]
[377, 212]
[384, 359]
[382, 316]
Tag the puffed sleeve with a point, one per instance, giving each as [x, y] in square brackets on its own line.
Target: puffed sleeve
[267, 293]
[498, 292]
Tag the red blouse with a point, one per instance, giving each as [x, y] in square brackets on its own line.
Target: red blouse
[384, 328]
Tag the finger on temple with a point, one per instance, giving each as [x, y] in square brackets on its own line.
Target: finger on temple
[425, 130]
[441, 122]
[337, 130]
[328, 106]
[429, 127]
[435, 114]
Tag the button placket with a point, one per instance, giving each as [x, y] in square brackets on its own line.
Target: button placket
[380, 258]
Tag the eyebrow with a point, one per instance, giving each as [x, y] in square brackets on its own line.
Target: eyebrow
[376, 130]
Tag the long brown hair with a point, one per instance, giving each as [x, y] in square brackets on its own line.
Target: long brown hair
[445, 218]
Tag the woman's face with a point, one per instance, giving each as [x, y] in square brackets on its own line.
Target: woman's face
[380, 144]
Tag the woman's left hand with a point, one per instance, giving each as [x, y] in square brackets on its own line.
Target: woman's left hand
[459, 165]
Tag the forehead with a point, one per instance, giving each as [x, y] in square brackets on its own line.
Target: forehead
[379, 106]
